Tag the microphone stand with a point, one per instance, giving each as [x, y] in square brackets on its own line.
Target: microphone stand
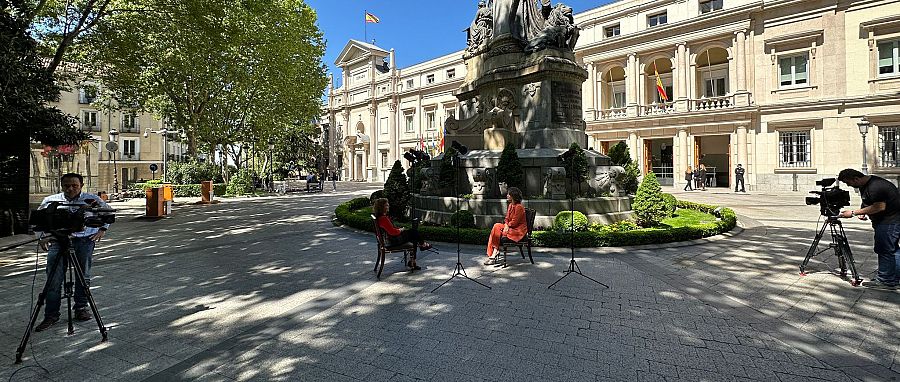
[573, 266]
[459, 271]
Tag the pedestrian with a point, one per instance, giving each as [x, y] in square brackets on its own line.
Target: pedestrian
[83, 242]
[688, 179]
[881, 204]
[739, 178]
[696, 175]
[702, 177]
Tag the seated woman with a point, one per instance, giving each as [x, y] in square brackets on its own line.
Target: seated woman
[515, 227]
[397, 236]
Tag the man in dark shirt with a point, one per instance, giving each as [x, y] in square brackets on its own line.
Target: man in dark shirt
[739, 178]
[881, 203]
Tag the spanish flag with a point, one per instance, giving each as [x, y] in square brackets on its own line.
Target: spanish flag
[370, 18]
[659, 86]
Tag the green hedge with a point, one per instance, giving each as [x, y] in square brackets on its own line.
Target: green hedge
[727, 220]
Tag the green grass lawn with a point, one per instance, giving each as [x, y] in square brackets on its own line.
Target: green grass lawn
[684, 218]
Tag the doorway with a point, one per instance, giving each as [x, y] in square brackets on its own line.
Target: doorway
[659, 159]
[714, 151]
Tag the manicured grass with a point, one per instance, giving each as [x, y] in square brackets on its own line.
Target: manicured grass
[686, 218]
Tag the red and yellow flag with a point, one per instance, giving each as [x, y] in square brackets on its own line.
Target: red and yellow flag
[659, 86]
[370, 18]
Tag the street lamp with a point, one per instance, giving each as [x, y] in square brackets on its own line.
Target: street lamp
[165, 134]
[114, 137]
[863, 125]
[269, 185]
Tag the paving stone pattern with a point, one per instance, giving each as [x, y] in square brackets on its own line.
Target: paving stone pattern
[268, 289]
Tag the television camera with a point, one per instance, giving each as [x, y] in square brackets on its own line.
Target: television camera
[831, 198]
[64, 218]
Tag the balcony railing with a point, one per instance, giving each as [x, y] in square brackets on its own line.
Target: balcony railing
[131, 156]
[125, 128]
[714, 103]
[90, 127]
[617, 112]
[658, 108]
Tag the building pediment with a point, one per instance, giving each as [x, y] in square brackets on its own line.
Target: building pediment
[357, 49]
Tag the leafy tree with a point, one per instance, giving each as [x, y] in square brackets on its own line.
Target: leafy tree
[397, 191]
[241, 183]
[509, 170]
[577, 166]
[230, 72]
[650, 205]
[463, 218]
[619, 155]
[563, 221]
[193, 172]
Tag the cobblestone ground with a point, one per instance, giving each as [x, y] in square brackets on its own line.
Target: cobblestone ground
[268, 289]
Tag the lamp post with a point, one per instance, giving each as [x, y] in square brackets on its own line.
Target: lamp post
[863, 125]
[114, 137]
[165, 157]
[269, 187]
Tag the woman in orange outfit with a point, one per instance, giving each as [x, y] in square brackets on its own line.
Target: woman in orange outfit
[513, 228]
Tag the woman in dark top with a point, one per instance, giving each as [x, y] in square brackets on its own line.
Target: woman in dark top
[688, 179]
[397, 236]
[702, 177]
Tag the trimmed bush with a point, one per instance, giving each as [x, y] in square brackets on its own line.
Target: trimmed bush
[416, 177]
[620, 226]
[447, 172]
[240, 183]
[629, 179]
[618, 154]
[464, 218]
[649, 205]
[378, 194]
[397, 191]
[671, 203]
[509, 169]
[563, 221]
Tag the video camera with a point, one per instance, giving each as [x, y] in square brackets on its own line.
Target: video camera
[831, 198]
[416, 156]
[70, 219]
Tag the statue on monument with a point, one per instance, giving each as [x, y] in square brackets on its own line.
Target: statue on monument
[481, 29]
[519, 18]
[559, 31]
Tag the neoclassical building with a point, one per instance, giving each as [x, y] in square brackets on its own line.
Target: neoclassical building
[781, 87]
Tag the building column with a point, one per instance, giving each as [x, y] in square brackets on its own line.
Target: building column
[742, 146]
[590, 114]
[393, 134]
[351, 159]
[631, 87]
[681, 161]
[680, 78]
[633, 149]
[742, 96]
[374, 156]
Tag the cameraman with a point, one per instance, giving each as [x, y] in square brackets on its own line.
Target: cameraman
[83, 242]
[881, 202]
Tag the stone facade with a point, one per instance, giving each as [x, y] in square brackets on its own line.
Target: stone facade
[776, 86]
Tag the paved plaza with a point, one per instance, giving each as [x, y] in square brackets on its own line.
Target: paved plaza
[270, 289]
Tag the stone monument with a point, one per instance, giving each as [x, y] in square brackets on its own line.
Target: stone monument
[522, 86]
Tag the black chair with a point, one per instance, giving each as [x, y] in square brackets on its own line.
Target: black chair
[506, 242]
[408, 249]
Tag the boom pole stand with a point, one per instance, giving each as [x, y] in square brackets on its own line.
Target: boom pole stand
[73, 270]
[841, 248]
[460, 270]
[573, 266]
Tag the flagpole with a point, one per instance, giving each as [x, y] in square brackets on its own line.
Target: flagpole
[365, 26]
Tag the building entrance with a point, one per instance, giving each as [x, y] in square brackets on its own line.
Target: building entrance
[714, 151]
[658, 158]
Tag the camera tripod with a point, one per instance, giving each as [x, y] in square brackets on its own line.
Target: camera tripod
[841, 248]
[573, 266]
[73, 270]
[459, 270]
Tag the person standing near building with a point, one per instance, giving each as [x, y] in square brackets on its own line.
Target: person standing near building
[881, 204]
[739, 178]
[688, 178]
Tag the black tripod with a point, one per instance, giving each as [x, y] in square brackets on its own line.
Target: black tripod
[73, 270]
[459, 271]
[573, 266]
[841, 248]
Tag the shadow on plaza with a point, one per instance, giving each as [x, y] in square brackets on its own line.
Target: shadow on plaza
[230, 272]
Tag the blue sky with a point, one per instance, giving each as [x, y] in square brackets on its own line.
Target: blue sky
[418, 30]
